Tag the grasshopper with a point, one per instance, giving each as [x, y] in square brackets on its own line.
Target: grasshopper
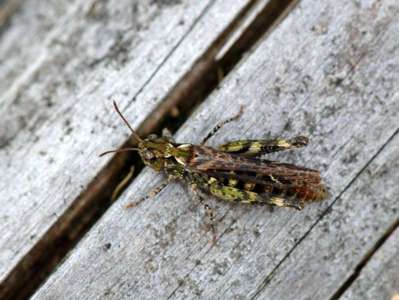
[232, 172]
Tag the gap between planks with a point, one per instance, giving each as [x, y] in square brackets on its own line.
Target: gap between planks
[64, 280]
[369, 256]
[255, 20]
[7, 10]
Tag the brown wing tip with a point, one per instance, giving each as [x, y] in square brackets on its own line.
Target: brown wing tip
[321, 193]
[314, 193]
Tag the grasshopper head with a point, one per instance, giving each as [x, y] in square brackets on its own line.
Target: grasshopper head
[155, 151]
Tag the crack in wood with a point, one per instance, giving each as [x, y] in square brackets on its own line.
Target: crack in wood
[363, 262]
[188, 93]
[358, 269]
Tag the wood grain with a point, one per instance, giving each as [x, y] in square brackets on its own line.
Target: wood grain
[334, 248]
[380, 277]
[57, 116]
[328, 71]
[24, 39]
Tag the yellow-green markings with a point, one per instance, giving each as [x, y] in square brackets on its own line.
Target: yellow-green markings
[230, 193]
[253, 148]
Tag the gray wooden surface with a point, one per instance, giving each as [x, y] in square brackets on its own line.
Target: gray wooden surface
[330, 71]
[330, 253]
[56, 116]
[380, 277]
[22, 41]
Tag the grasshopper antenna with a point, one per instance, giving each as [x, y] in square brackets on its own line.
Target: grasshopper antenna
[118, 150]
[136, 136]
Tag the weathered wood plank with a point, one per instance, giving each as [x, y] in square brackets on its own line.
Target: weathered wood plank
[26, 34]
[329, 71]
[380, 277]
[330, 253]
[134, 52]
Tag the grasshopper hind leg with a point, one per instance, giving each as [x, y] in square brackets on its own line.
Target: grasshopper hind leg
[221, 124]
[284, 202]
[233, 194]
[253, 148]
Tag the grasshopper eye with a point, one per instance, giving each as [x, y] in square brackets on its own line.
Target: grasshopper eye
[148, 155]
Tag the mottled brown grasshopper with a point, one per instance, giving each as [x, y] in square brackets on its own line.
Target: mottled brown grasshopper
[233, 172]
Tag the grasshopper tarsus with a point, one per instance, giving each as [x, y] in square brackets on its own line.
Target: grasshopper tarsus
[130, 205]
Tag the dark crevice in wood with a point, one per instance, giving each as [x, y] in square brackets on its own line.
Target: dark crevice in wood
[204, 77]
[264, 22]
[269, 277]
[7, 10]
[174, 110]
[358, 269]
